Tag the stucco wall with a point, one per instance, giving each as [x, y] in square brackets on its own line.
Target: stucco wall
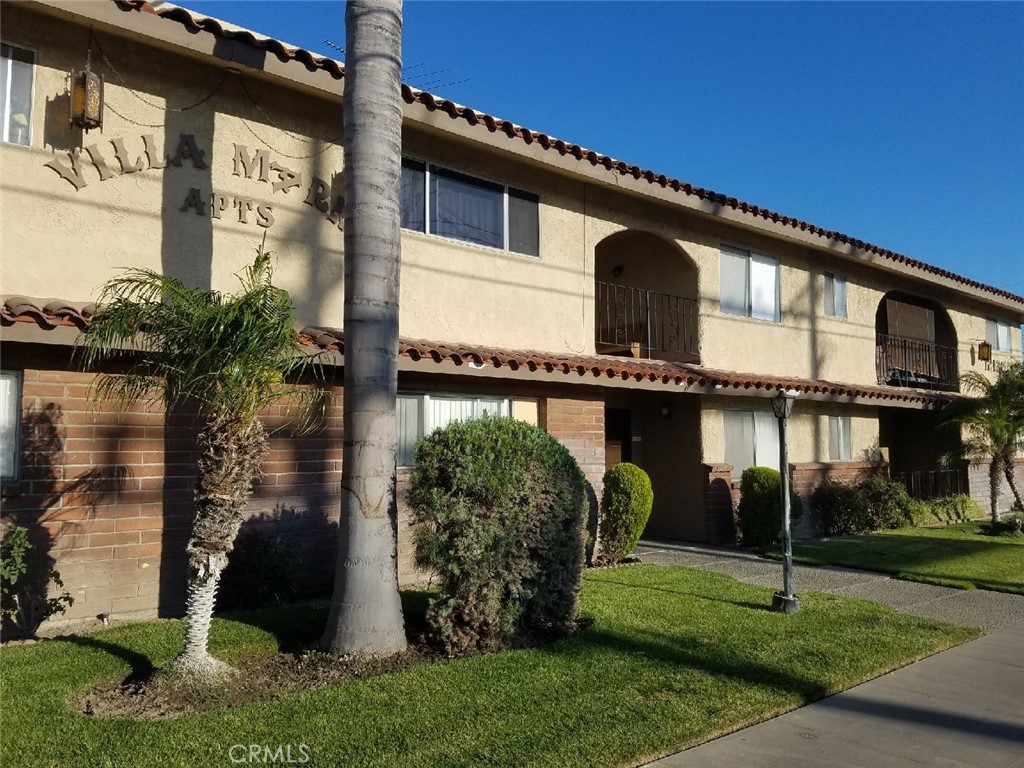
[59, 241]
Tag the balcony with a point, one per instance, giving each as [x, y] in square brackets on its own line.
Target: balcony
[643, 323]
[903, 362]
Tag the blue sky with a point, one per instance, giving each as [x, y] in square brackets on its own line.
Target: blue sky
[898, 123]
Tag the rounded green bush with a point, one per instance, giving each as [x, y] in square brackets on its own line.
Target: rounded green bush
[499, 507]
[888, 503]
[841, 509]
[760, 508]
[625, 507]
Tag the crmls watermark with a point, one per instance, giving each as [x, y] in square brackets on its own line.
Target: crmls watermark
[282, 754]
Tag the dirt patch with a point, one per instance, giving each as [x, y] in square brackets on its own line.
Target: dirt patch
[257, 678]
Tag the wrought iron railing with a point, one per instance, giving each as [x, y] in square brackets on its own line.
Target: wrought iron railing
[911, 363]
[644, 323]
[933, 484]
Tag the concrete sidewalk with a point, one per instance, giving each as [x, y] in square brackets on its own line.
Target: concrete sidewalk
[962, 707]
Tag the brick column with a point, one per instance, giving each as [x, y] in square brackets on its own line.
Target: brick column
[719, 522]
[579, 425]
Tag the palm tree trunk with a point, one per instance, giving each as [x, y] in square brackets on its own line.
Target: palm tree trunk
[1011, 480]
[366, 611]
[993, 487]
[230, 457]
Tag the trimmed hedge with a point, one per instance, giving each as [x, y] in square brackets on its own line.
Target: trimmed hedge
[760, 509]
[874, 503]
[625, 508]
[499, 507]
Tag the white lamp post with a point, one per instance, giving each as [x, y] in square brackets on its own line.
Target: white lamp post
[785, 601]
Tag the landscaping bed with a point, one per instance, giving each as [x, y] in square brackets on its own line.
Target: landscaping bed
[668, 658]
[965, 555]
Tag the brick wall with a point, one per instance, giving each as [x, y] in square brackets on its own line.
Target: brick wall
[106, 493]
[579, 425]
[719, 504]
[980, 489]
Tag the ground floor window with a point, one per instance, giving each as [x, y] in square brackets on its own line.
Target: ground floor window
[840, 441]
[751, 440]
[10, 409]
[421, 414]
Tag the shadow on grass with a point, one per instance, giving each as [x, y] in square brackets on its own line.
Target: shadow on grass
[141, 665]
[687, 593]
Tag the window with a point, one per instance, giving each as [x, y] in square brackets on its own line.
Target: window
[749, 285]
[751, 440]
[420, 415]
[835, 295]
[437, 201]
[840, 442]
[10, 409]
[16, 66]
[997, 333]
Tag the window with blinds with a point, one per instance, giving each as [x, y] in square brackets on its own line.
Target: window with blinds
[749, 284]
[840, 440]
[420, 415]
[10, 409]
[751, 440]
[997, 333]
[835, 295]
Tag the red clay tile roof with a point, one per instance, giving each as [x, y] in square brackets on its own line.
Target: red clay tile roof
[53, 313]
[46, 313]
[197, 23]
[624, 369]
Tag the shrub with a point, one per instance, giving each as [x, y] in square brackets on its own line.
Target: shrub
[500, 507]
[841, 509]
[888, 503]
[625, 507]
[948, 509]
[760, 508]
[258, 575]
[24, 591]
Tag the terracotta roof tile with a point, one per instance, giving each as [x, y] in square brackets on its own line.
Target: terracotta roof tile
[199, 23]
[47, 313]
[626, 369]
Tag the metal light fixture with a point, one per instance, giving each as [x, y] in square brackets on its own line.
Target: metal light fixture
[785, 601]
[984, 351]
[86, 98]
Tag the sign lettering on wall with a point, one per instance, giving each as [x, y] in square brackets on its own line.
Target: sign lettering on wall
[259, 166]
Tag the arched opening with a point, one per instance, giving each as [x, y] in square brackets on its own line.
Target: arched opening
[916, 343]
[646, 298]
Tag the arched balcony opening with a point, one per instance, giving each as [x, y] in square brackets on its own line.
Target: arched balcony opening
[645, 298]
[915, 343]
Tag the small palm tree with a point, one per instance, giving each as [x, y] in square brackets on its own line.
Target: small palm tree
[993, 423]
[228, 356]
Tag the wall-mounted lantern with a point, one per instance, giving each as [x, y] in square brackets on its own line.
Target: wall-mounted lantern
[86, 99]
[984, 351]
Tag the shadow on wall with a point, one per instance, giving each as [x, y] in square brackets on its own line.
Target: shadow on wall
[56, 511]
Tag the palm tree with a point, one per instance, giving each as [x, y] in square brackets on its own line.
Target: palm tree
[993, 423]
[228, 356]
[366, 611]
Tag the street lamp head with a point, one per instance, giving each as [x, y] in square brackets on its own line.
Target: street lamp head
[782, 403]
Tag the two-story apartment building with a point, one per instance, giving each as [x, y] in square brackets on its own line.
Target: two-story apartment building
[634, 316]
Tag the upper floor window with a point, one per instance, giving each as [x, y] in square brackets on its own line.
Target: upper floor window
[420, 415]
[749, 284]
[16, 66]
[835, 295]
[438, 201]
[840, 439]
[10, 410]
[997, 333]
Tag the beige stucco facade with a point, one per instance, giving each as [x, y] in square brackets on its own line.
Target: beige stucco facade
[202, 157]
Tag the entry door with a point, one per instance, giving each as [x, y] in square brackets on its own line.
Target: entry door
[618, 439]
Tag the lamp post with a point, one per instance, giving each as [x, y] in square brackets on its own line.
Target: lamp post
[785, 601]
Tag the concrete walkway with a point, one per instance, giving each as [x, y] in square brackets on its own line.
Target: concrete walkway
[960, 708]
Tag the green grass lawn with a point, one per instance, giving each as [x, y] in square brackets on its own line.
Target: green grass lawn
[960, 555]
[672, 657]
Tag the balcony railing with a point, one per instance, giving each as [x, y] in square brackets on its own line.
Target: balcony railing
[645, 323]
[904, 362]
